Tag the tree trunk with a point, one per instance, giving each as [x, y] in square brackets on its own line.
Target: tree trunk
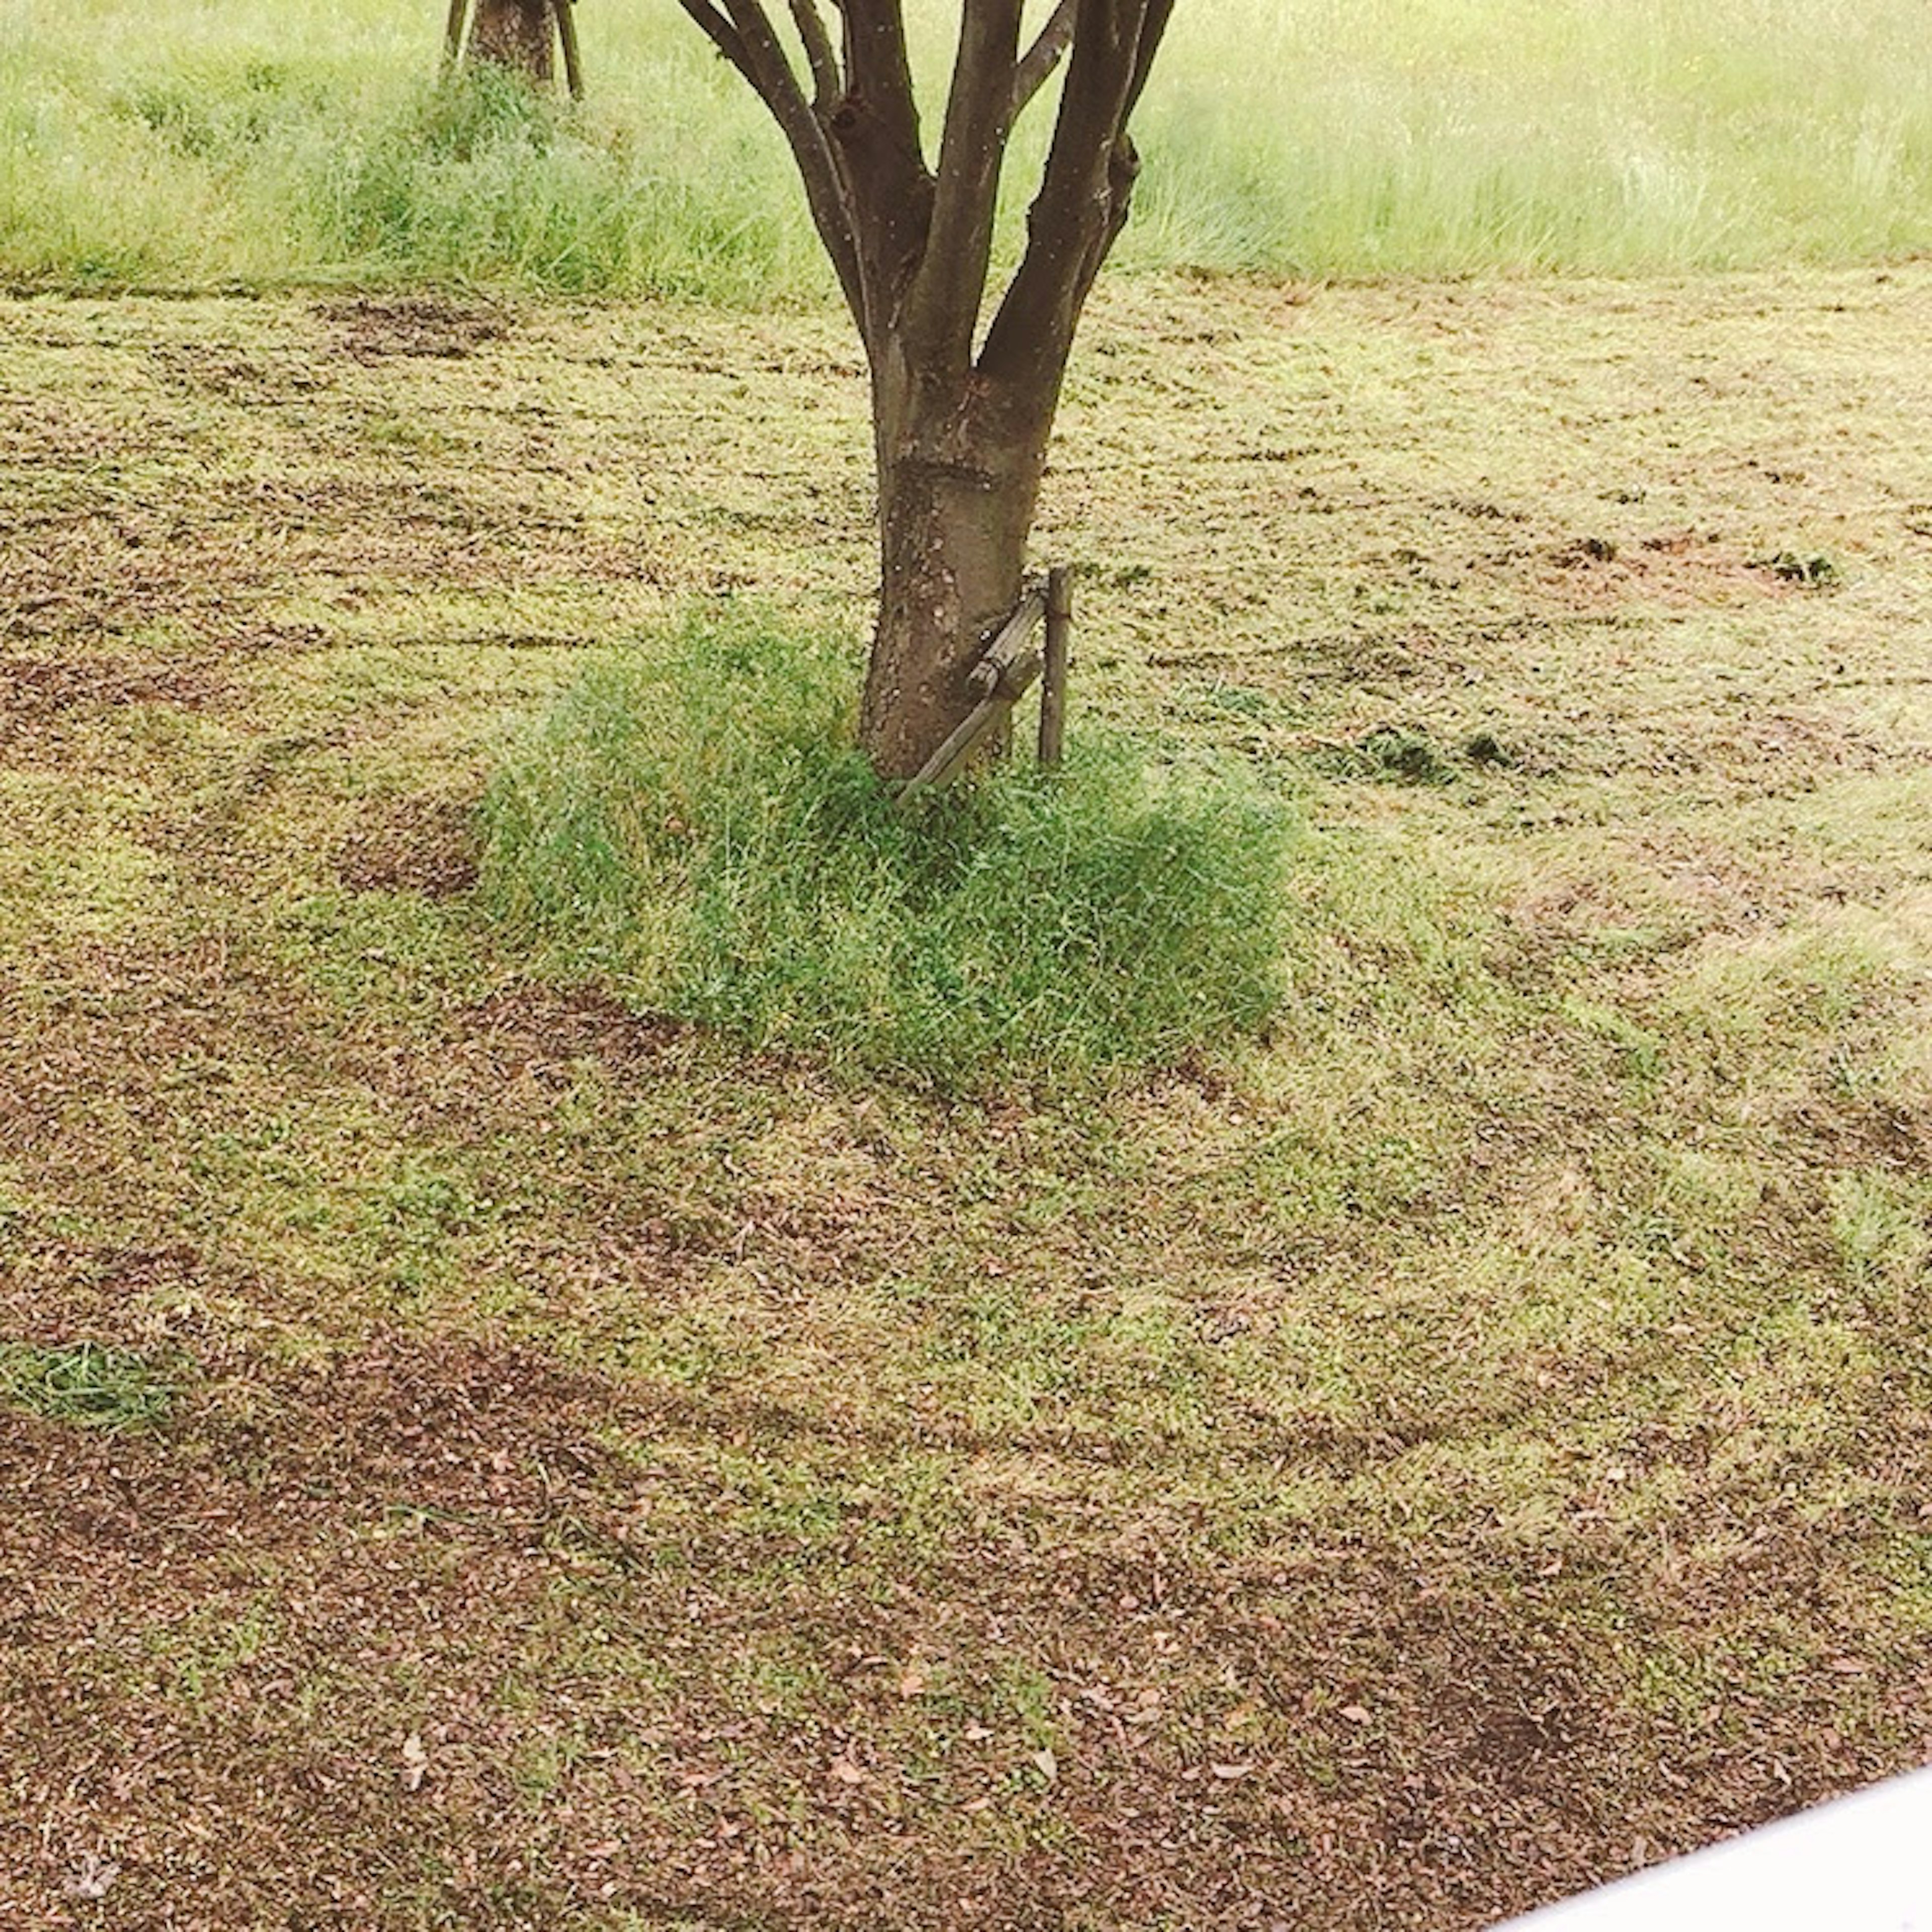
[961, 416]
[958, 490]
[515, 34]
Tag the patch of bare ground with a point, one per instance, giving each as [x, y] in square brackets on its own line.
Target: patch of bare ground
[82, 575]
[368, 1573]
[374, 327]
[551, 1027]
[35, 691]
[1880, 1132]
[1674, 889]
[54, 436]
[1672, 568]
[259, 380]
[427, 846]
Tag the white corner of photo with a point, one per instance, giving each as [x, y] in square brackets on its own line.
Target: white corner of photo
[1862, 1864]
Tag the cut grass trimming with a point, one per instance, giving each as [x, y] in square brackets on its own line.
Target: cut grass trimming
[265, 143]
[693, 825]
[1489, 1414]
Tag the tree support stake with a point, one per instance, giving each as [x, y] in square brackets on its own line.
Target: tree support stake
[1053, 670]
[1006, 670]
[566, 34]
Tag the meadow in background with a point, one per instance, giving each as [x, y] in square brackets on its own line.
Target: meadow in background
[184, 146]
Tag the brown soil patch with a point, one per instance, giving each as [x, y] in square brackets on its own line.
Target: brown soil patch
[374, 328]
[90, 574]
[47, 434]
[551, 1025]
[426, 846]
[419, 1519]
[252, 381]
[1670, 570]
[47, 687]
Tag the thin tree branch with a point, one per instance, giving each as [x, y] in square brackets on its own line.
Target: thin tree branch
[761, 58]
[1038, 62]
[1153, 29]
[875, 134]
[723, 35]
[826, 84]
[1084, 193]
[943, 308]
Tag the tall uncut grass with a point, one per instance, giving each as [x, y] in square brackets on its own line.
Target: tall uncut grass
[692, 826]
[258, 142]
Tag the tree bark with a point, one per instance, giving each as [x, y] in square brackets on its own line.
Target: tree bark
[518, 35]
[957, 494]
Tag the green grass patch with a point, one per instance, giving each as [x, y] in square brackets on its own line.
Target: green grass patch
[184, 146]
[84, 1382]
[696, 826]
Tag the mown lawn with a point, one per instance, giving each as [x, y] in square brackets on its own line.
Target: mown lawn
[474, 1456]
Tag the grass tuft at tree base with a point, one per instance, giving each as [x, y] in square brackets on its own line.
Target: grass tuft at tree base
[696, 828]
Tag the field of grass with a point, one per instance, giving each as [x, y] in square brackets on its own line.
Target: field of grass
[256, 142]
[470, 1456]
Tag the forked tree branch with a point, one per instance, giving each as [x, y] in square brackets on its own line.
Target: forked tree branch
[826, 84]
[873, 130]
[878, 71]
[913, 245]
[744, 33]
[1083, 198]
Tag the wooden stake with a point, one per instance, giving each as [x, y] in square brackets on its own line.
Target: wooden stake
[1059, 645]
[972, 731]
[1009, 643]
[566, 32]
[452, 36]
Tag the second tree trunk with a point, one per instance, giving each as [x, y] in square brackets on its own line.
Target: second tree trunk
[515, 34]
